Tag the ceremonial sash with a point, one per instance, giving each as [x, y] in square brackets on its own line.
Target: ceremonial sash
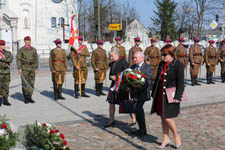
[79, 49]
[2, 55]
[118, 82]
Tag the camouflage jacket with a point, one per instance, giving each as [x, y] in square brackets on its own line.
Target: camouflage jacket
[5, 62]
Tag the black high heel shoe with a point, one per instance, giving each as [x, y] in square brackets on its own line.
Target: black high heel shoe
[110, 125]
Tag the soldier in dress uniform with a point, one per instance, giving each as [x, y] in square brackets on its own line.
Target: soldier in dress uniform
[168, 41]
[211, 60]
[196, 60]
[78, 58]
[5, 59]
[100, 66]
[152, 56]
[133, 50]
[181, 53]
[122, 50]
[58, 64]
[27, 63]
[221, 55]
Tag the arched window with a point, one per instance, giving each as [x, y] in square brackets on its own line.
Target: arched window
[53, 22]
[2, 3]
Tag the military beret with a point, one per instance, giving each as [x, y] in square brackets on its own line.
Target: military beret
[196, 40]
[118, 38]
[211, 41]
[2, 42]
[168, 40]
[181, 40]
[99, 42]
[137, 39]
[153, 40]
[27, 38]
[80, 38]
[58, 41]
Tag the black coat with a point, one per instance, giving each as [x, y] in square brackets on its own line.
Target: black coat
[143, 93]
[174, 77]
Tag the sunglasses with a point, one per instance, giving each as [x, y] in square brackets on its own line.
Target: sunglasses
[164, 55]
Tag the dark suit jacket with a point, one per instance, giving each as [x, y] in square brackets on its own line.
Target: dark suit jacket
[143, 93]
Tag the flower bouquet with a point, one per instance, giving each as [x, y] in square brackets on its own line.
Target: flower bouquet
[44, 136]
[133, 77]
[8, 138]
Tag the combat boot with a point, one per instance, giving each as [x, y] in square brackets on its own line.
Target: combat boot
[5, 101]
[55, 92]
[97, 86]
[25, 99]
[196, 82]
[60, 92]
[30, 100]
[192, 81]
[83, 94]
[1, 99]
[76, 90]
[223, 77]
[211, 78]
[207, 78]
[101, 89]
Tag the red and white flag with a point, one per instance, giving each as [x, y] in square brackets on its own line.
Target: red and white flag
[73, 40]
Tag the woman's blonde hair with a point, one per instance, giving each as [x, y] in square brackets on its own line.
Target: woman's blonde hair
[114, 50]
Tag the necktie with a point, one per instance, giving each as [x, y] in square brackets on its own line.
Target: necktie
[137, 67]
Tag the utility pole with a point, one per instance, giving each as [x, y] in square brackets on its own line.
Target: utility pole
[99, 27]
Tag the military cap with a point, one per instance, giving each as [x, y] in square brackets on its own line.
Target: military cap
[211, 41]
[196, 40]
[181, 40]
[27, 38]
[2, 42]
[80, 38]
[137, 39]
[153, 40]
[118, 38]
[99, 42]
[168, 40]
[58, 41]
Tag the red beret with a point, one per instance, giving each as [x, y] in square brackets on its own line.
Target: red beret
[196, 40]
[99, 42]
[137, 39]
[58, 41]
[27, 38]
[168, 40]
[181, 40]
[153, 40]
[223, 41]
[80, 38]
[2, 42]
[211, 41]
[118, 38]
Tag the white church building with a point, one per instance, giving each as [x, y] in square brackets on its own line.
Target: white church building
[42, 20]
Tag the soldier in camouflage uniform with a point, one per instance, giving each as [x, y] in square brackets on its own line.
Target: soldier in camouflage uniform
[196, 60]
[5, 59]
[122, 50]
[152, 57]
[221, 55]
[78, 58]
[100, 65]
[211, 60]
[58, 64]
[27, 63]
[133, 50]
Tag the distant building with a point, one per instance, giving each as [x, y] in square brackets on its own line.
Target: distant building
[40, 19]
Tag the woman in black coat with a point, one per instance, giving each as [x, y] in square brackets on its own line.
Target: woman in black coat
[170, 74]
[118, 65]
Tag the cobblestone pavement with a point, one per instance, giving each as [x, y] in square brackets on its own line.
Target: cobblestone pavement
[200, 128]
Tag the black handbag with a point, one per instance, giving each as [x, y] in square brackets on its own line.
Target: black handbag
[126, 106]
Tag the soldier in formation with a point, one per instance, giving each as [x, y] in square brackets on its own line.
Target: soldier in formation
[80, 71]
[5, 59]
[221, 55]
[211, 60]
[196, 60]
[100, 66]
[152, 56]
[27, 63]
[122, 50]
[58, 64]
[133, 50]
[168, 41]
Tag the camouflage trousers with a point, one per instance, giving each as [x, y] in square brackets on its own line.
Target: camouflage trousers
[83, 75]
[194, 70]
[30, 78]
[223, 68]
[4, 85]
[58, 77]
[100, 76]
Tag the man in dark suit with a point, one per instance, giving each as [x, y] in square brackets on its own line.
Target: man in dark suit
[141, 94]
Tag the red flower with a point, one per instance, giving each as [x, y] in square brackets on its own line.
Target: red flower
[64, 142]
[125, 76]
[57, 131]
[134, 77]
[130, 75]
[123, 81]
[52, 132]
[144, 76]
[62, 136]
[138, 71]
[4, 126]
[44, 125]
